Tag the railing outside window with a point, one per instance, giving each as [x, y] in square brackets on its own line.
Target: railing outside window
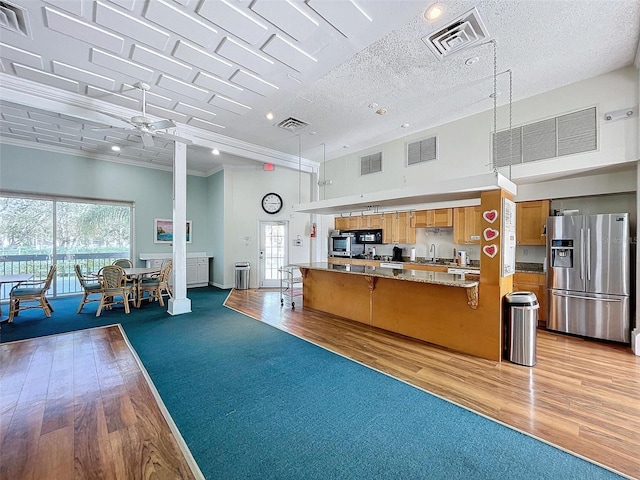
[66, 281]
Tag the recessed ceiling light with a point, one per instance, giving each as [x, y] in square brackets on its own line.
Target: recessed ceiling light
[215, 151]
[115, 148]
[345, 146]
[373, 105]
[269, 116]
[471, 60]
[313, 133]
[405, 125]
[381, 111]
[494, 95]
[434, 12]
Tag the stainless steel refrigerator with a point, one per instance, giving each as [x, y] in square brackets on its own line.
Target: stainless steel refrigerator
[588, 275]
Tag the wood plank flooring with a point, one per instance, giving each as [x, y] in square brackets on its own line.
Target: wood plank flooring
[77, 405]
[582, 395]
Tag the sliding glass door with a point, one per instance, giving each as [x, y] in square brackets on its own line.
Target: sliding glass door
[38, 232]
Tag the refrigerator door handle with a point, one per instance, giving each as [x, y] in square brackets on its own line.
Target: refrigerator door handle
[586, 298]
[587, 254]
[582, 254]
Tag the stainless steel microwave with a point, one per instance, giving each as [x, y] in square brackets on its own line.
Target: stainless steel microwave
[369, 236]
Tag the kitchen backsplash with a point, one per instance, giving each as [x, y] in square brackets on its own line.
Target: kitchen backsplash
[442, 238]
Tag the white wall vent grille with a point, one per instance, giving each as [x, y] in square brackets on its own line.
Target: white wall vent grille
[14, 18]
[563, 135]
[422, 151]
[292, 124]
[463, 32]
[371, 163]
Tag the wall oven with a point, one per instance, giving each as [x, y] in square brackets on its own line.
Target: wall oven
[343, 244]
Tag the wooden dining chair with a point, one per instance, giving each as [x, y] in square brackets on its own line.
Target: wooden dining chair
[123, 262]
[156, 285]
[31, 291]
[90, 284]
[114, 288]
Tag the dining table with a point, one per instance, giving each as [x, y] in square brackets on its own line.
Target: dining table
[15, 278]
[136, 274]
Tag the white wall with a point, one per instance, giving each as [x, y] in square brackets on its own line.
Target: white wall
[243, 192]
[465, 145]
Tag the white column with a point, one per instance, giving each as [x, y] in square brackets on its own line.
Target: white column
[179, 303]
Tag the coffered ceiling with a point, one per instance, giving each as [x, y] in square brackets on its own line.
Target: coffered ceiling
[322, 67]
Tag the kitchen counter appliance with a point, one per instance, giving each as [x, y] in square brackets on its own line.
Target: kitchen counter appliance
[397, 255]
[369, 236]
[342, 244]
[588, 276]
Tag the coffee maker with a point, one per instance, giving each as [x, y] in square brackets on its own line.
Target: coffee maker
[397, 254]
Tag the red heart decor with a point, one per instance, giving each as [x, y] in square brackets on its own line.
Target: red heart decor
[489, 233]
[490, 215]
[490, 250]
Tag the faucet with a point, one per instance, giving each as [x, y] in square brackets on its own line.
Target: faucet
[432, 251]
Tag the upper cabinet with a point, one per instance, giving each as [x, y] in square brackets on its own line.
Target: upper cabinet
[531, 218]
[467, 226]
[442, 217]
[398, 228]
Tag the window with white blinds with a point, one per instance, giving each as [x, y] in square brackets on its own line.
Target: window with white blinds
[563, 135]
[422, 151]
[371, 163]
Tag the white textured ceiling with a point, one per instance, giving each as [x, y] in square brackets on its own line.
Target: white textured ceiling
[217, 66]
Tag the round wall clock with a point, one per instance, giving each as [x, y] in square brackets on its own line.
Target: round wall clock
[272, 203]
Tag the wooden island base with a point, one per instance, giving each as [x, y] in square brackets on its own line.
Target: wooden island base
[437, 314]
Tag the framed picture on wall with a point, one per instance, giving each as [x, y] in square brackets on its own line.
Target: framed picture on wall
[163, 230]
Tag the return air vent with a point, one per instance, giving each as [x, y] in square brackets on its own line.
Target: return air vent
[14, 18]
[463, 32]
[371, 163]
[292, 124]
[555, 137]
[422, 151]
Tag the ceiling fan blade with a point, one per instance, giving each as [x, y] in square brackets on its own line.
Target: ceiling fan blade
[147, 140]
[175, 138]
[161, 124]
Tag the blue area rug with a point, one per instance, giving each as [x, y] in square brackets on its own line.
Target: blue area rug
[253, 402]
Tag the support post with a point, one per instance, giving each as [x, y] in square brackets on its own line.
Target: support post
[179, 303]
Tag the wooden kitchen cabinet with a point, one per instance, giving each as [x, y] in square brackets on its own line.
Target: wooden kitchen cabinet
[397, 228]
[341, 223]
[537, 284]
[531, 218]
[467, 225]
[441, 217]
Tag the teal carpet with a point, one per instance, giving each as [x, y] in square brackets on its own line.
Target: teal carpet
[253, 402]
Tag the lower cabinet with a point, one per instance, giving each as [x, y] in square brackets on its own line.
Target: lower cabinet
[535, 283]
[197, 270]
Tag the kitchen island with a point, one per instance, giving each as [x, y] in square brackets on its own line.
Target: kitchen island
[436, 307]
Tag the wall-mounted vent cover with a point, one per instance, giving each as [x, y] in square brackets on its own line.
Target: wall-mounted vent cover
[14, 18]
[422, 151]
[292, 124]
[371, 163]
[568, 134]
[463, 32]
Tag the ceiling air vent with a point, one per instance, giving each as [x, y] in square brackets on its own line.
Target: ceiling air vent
[14, 18]
[463, 32]
[292, 124]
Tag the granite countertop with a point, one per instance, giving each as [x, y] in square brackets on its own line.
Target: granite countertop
[421, 276]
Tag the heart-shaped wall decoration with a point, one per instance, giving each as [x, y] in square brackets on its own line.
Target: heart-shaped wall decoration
[489, 233]
[490, 250]
[490, 215]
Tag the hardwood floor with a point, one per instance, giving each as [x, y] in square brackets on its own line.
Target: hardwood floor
[78, 406]
[582, 395]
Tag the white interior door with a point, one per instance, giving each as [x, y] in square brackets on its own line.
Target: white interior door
[273, 252]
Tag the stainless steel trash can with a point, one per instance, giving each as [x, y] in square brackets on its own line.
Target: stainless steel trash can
[521, 321]
[243, 270]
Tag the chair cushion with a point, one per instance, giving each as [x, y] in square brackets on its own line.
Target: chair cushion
[26, 292]
[151, 283]
[92, 286]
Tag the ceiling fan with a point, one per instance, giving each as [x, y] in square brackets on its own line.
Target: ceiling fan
[144, 127]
